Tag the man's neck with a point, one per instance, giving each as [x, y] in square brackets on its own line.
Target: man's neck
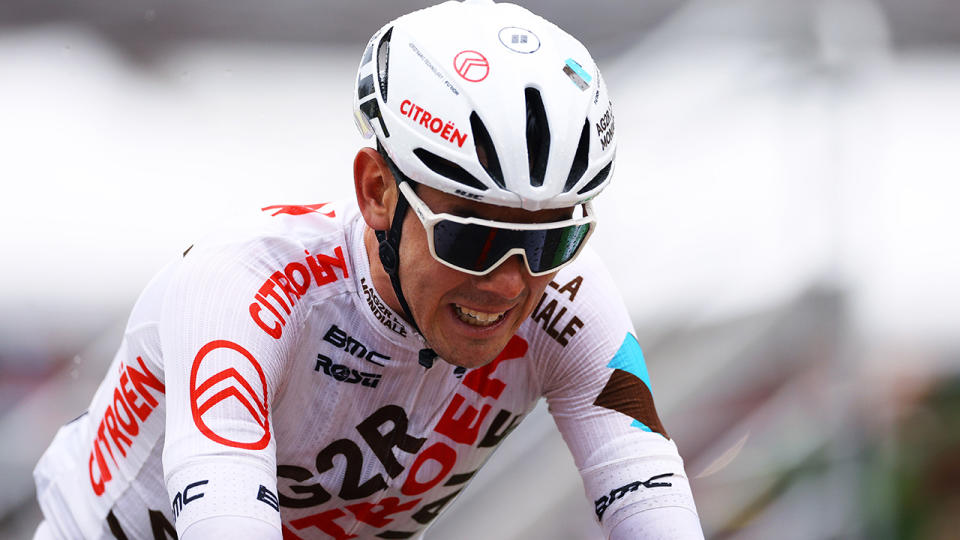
[381, 281]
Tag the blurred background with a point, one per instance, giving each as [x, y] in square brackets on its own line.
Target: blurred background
[779, 223]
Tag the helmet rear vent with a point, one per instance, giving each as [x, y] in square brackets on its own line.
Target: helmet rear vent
[365, 87]
[383, 62]
[579, 159]
[597, 180]
[486, 152]
[448, 169]
[538, 137]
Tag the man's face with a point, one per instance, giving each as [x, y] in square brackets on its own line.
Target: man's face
[468, 319]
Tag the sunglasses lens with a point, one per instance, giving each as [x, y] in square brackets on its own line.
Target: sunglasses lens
[478, 247]
[557, 248]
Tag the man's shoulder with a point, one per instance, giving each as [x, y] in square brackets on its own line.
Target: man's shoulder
[279, 224]
[580, 306]
[279, 258]
[265, 241]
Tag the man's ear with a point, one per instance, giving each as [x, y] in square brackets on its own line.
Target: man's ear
[375, 187]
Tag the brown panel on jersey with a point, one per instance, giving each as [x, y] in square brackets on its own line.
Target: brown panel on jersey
[627, 394]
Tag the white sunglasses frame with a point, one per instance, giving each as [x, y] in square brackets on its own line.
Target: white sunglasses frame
[429, 219]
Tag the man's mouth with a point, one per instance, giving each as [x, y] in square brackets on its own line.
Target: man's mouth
[477, 318]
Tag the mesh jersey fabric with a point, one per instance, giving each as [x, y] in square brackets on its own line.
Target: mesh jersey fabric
[261, 375]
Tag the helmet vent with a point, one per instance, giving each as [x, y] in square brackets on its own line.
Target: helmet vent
[486, 152]
[448, 169]
[538, 137]
[365, 87]
[372, 111]
[579, 159]
[597, 180]
[383, 62]
[367, 55]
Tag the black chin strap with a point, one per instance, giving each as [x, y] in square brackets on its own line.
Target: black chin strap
[389, 251]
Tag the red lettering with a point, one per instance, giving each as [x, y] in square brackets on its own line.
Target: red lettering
[123, 398]
[143, 411]
[294, 269]
[263, 301]
[376, 513]
[337, 261]
[101, 459]
[324, 274]
[460, 138]
[129, 426]
[98, 485]
[144, 379]
[322, 267]
[269, 289]
[274, 331]
[288, 534]
[285, 286]
[433, 123]
[325, 522]
[321, 274]
[111, 422]
[439, 452]
[102, 437]
[459, 429]
[479, 379]
[292, 283]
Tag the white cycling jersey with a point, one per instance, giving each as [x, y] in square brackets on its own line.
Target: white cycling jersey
[261, 375]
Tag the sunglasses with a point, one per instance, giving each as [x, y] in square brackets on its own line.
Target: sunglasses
[477, 246]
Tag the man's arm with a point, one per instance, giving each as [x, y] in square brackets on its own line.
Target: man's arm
[223, 372]
[233, 528]
[599, 392]
[667, 523]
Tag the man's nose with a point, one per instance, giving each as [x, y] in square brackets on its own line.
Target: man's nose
[507, 280]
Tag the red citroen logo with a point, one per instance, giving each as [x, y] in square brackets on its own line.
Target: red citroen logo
[472, 66]
[242, 382]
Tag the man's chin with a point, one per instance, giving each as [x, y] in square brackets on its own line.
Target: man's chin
[469, 359]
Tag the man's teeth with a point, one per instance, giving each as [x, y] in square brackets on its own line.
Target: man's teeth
[477, 318]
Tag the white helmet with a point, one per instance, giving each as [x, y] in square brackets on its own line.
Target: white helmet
[488, 102]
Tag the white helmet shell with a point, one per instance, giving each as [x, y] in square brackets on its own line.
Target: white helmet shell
[488, 102]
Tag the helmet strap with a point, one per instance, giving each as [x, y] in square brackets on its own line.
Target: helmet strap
[389, 251]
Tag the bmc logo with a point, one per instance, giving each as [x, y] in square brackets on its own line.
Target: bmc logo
[605, 501]
[189, 494]
[268, 497]
[339, 339]
[230, 388]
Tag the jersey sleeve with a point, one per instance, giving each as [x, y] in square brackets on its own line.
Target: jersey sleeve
[600, 394]
[228, 321]
[232, 527]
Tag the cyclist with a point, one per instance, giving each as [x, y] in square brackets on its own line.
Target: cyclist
[342, 370]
